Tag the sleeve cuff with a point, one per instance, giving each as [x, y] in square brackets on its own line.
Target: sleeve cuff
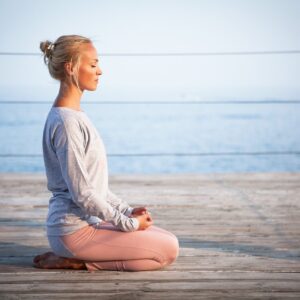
[128, 211]
[136, 223]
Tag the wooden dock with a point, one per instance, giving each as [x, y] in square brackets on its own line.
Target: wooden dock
[239, 238]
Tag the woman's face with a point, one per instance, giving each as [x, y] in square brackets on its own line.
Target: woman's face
[89, 70]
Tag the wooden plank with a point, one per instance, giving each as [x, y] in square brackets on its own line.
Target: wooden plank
[160, 295]
[153, 285]
[52, 276]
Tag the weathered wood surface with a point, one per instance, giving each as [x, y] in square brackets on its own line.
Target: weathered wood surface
[239, 239]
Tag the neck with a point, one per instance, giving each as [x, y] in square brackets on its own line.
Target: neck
[68, 96]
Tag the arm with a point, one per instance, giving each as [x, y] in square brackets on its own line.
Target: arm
[69, 145]
[119, 204]
[123, 206]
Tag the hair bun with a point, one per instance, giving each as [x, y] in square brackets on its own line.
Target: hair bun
[46, 48]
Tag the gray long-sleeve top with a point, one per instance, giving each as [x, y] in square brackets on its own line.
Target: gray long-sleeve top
[76, 169]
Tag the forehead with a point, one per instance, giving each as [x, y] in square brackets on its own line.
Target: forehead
[89, 52]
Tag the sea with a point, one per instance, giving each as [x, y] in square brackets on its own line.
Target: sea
[167, 137]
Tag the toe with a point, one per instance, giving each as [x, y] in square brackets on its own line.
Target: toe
[37, 258]
[36, 265]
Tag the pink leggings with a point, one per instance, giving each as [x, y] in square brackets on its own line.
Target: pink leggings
[106, 248]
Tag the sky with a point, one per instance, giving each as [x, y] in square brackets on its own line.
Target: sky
[158, 26]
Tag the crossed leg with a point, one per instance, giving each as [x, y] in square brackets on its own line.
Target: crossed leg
[107, 248]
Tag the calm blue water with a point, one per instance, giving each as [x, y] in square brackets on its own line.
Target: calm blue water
[166, 128]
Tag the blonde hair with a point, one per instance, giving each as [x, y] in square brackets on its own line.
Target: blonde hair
[66, 49]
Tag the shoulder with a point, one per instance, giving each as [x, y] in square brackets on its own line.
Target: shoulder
[65, 120]
[65, 126]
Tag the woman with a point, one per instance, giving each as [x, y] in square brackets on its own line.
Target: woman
[88, 227]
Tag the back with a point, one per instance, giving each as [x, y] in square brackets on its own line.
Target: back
[62, 125]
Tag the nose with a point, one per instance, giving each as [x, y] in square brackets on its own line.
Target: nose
[99, 71]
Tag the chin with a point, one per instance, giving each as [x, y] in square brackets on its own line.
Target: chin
[91, 88]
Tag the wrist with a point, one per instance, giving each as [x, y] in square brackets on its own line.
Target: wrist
[128, 211]
[135, 223]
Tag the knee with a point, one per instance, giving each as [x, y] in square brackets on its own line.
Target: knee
[172, 250]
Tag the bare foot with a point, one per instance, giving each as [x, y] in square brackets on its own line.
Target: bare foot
[41, 257]
[49, 260]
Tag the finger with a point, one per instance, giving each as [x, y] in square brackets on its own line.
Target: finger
[149, 218]
[142, 209]
[139, 210]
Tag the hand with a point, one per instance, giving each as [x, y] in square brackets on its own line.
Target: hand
[145, 221]
[138, 211]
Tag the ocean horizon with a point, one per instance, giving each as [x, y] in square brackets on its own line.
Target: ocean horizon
[166, 137]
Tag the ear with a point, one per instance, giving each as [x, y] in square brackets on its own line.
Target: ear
[69, 68]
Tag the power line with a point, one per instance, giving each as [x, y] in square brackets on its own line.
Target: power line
[206, 53]
[230, 53]
[174, 154]
[160, 102]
